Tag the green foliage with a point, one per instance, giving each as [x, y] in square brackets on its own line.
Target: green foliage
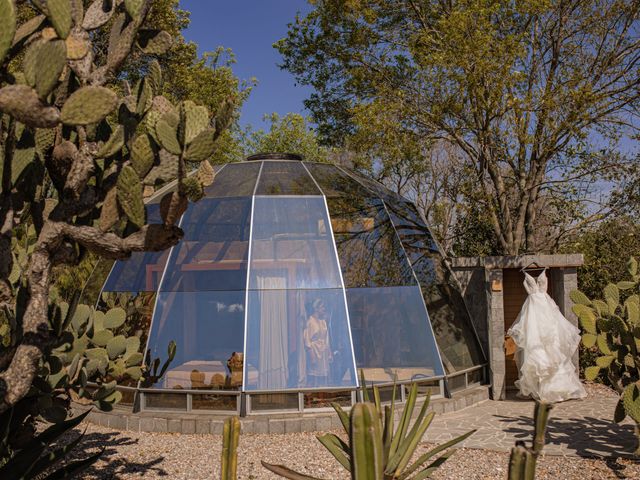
[230, 440]
[522, 463]
[612, 330]
[377, 449]
[391, 78]
[606, 249]
[288, 134]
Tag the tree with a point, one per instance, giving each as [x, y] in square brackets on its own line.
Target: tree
[522, 90]
[290, 134]
[75, 155]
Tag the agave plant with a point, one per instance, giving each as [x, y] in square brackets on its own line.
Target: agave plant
[377, 448]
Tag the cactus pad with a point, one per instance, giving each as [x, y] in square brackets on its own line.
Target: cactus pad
[30, 62]
[22, 103]
[113, 145]
[110, 212]
[80, 317]
[51, 59]
[96, 15]
[134, 372]
[154, 76]
[633, 313]
[78, 44]
[44, 139]
[193, 120]
[586, 316]
[631, 400]
[142, 155]
[129, 191]
[154, 42]
[591, 373]
[192, 189]
[133, 345]
[589, 340]
[59, 12]
[133, 7]
[202, 147]
[134, 359]
[88, 105]
[603, 342]
[612, 297]
[206, 174]
[7, 26]
[116, 346]
[579, 298]
[115, 318]
[172, 206]
[167, 135]
[632, 267]
[165, 171]
[102, 337]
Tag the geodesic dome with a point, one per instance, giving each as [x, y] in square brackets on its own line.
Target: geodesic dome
[294, 276]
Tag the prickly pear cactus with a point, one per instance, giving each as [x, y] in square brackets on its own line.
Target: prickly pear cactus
[97, 353]
[78, 154]
[611, 326]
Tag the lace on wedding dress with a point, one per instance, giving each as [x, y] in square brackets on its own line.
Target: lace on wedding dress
[546, 342]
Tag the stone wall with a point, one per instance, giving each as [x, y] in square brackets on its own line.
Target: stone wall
[481, 280]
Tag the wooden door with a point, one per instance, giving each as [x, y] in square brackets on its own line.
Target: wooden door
[514, 296]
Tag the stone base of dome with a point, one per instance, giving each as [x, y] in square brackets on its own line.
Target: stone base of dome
[122, 418]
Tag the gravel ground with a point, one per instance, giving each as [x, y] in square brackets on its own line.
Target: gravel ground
[156, 455]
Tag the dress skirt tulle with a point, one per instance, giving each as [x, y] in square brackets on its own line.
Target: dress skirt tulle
[546, 342]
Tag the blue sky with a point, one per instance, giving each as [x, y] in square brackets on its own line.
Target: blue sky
[249, 28]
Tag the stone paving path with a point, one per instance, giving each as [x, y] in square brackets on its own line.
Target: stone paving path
[576, 428]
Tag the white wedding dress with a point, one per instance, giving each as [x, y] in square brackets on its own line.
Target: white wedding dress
[545, 342]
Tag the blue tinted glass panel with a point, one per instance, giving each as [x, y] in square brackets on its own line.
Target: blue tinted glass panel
[458, 343]
[291, 241]
[208, 328]
[391, 334]
[297, 339]
[234, 180]
[142, 271]
[213, 253]
[335, 183]
[368, 248]
[285, 178]
[375, 187]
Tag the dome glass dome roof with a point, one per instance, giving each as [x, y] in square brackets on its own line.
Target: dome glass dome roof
[292, 276]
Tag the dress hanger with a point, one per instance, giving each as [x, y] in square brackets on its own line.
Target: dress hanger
[533, 267]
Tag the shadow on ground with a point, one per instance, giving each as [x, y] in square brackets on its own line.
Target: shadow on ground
[587, 436]
[111, 464]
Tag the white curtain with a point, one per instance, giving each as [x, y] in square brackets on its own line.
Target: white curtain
[273, 332]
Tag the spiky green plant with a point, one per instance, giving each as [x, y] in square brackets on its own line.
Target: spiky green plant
[522, 463]
[612, 327]
[377, 449]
